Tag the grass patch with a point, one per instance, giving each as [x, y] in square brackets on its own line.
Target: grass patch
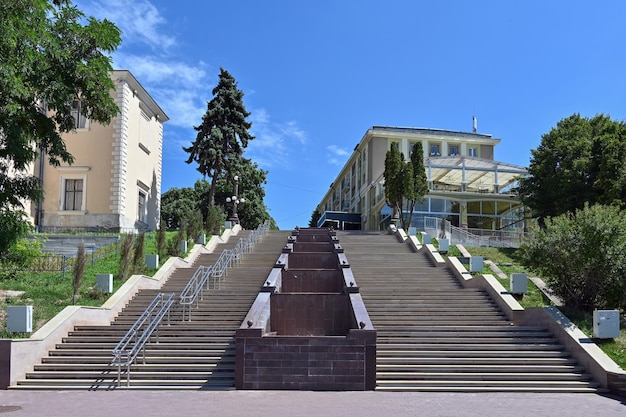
[51, 292]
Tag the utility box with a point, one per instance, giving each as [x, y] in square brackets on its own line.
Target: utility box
[412, 231]
[476, 264]
[152, 261]
[606, 324]
[202, 239]
[183, 246]
[519, 283]
[20, 319]
[426, 238]
[104, 283]
[444, 245]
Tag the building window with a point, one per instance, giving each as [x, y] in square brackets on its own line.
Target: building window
[73, 194]
[81, 121]
[434, 150]
[141, 207]
[144, 132]
[454, 150]
[472, 152]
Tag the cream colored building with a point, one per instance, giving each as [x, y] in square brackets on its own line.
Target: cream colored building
[466, 185]
[115, 181]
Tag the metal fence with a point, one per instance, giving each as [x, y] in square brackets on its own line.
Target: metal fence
[65, 263]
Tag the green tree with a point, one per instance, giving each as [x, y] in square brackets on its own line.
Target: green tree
[580, 161]
[50, 57]
[420, 180]
[581, 256]
[393, 190]
[315, 216]
[252, 179]
[223, 134]
[177, 205]
[399, 183]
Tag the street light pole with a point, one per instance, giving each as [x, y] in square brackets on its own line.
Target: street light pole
[236, 201]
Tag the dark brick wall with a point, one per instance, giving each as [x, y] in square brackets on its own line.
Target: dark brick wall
[307, 363]
[5, 363]
[313, 260]
[310, 314]
[313, 246]
[312, 281]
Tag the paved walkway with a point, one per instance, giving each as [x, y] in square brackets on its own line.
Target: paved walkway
[303, 403]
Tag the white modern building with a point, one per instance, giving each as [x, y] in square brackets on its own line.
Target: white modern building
[467, 186]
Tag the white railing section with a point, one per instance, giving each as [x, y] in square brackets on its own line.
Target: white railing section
[134, 342]
[472, 237]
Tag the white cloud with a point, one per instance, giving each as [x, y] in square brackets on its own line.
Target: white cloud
[162, 69]
[140, 21]
[337, 155]
[336, 150]
[273, 141]
[179, 88]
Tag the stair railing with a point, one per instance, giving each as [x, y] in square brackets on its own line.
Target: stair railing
[194, 290]
[134, 341]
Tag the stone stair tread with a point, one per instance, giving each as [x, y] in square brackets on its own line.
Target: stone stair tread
[140, 367]
[111, 384]
[471, 353]
[516, 376]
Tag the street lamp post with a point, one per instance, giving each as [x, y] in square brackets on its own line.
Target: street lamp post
[236, 201]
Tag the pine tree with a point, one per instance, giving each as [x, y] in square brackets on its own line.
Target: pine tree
[223, 134]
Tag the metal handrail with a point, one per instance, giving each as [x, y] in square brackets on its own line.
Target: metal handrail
[134, 341]
[220, 268]
[194, 290]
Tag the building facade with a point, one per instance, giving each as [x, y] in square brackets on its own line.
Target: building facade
[467, 186]
[115, 181]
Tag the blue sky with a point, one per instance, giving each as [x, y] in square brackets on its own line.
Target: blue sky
[316, 75]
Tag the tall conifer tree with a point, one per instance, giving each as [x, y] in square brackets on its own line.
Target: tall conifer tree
[223, 134]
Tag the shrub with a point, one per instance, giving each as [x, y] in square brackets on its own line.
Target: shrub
[139, 261]
[194, 225]
[174, 245]
[214, 220]
[126, 258]
[161, 239]
[582, 256]
[79, 270]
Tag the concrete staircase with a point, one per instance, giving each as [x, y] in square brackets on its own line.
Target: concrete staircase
[189, 354]
[434, 335]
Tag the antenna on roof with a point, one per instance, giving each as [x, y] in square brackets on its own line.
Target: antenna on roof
[474, 123]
